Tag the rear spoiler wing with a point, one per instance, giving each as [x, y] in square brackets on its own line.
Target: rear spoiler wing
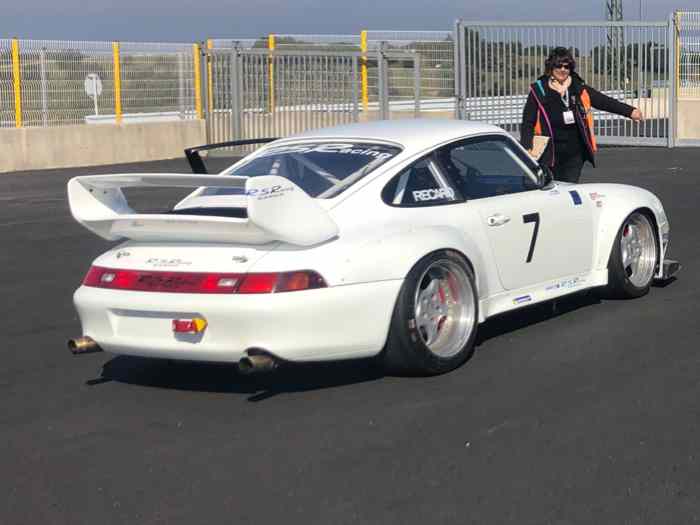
[196, 162]
[278, 210]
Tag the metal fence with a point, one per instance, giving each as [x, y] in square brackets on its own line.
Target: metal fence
[263, 93]
[626, 60]
[285, 83]
[53, 82]
[435, 52]
[688, 27]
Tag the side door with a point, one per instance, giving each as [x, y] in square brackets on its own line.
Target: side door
[536, 234]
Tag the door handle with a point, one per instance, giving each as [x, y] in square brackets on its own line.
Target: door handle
[497, 220]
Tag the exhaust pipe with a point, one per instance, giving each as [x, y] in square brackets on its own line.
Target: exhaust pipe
[83, 345]
[256, 361]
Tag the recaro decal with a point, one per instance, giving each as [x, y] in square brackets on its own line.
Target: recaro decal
[433, 194]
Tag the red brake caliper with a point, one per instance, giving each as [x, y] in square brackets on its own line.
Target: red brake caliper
[443, 300]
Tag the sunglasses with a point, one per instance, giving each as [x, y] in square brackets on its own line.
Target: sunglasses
[562, 65]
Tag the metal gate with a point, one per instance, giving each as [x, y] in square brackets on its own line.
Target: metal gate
[629, 61]
[257, 92]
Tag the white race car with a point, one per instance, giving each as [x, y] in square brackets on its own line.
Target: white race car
[393, 239]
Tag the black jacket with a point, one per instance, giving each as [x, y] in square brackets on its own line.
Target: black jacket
[551, 101]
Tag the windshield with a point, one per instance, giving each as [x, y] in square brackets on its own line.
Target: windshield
[322, 170]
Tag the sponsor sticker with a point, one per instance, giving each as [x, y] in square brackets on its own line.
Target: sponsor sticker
[268, 193]
[167, 263]
[575, 197]
[340, 149]
[434, 194]
[522, 299]
[566, 284]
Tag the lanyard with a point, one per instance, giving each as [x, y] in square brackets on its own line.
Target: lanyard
[565, 99]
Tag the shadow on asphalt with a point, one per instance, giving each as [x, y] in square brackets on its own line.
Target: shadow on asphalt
[224, 378]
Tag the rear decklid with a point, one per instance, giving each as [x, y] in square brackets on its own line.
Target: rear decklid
[277, 210]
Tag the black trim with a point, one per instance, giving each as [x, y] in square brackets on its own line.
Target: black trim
[196, 162]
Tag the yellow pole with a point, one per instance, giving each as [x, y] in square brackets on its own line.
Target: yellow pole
[210, 79]
[365, 89]
[271, 72]
[197, 81]
[677, 36]
[17, 82]
[117, 83]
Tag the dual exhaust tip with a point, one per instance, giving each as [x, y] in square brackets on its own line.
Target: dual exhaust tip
[254, 360]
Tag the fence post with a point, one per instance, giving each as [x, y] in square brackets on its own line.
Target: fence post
[674, 72]
[365, 87]
[458, 67]
[117, 72]
[271, 72]
[210, 78]
[44, 88]
[383, 82]
[197, 81]
[235, 78]
[416, 84]
[17, 82]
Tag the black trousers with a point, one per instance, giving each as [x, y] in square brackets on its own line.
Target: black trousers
[568, 169]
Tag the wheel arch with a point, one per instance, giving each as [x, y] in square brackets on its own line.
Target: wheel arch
[611, 224]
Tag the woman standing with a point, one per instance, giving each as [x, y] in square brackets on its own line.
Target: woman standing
[559, 107]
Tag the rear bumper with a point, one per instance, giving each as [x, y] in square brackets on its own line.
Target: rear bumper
[326, 324]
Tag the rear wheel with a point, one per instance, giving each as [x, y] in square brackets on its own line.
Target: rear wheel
[434, 322]
[633, 258]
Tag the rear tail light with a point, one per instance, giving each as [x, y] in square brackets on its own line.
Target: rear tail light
[212, 283]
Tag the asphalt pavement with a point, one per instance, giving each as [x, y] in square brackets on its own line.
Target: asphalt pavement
[587, 413]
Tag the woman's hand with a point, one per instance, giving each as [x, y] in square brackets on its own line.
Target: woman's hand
[636, 115]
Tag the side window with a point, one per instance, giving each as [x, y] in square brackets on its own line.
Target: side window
[486, 167]
[421, 184]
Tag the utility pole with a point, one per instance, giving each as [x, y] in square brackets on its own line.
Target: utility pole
[616, 37]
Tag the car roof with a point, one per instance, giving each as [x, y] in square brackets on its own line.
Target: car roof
[410, 133]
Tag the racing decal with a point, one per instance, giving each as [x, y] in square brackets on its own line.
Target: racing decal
[123, 253]
[239, 259]
[522, 299]
[434, 194]
[167, 263]
[596, 196]
[553, 192]
[575, 197]
[532, 217]
[565, 284]
[269, 193]
[341, 149]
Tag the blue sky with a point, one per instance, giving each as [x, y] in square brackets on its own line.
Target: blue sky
[184, 21]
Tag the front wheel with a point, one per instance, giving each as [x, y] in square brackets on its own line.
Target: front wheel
[434, 322]
[633, 258]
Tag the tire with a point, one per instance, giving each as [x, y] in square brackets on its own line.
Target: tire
[433, 326]
[633, 258]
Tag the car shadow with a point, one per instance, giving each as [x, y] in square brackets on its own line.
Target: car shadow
[293, 377]
[225, 378]
[515, 320]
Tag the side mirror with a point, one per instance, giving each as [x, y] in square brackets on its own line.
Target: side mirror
[545, 177]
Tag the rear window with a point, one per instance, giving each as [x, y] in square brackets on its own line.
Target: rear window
[322, 170]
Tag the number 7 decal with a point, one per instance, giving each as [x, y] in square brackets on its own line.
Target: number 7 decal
[532, 217]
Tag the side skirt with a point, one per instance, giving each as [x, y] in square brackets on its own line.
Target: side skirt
[513, 299]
